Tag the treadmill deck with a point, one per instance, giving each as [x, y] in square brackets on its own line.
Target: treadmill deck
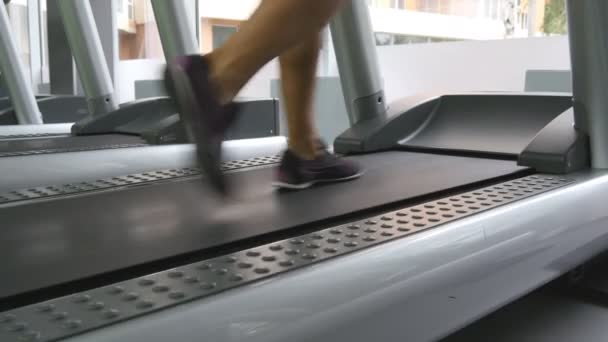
[83, 236]
[61, 144]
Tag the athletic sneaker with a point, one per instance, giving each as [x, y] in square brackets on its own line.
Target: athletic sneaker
[205, 119]
[297, 173]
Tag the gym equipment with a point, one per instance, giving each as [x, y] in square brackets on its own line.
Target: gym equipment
[150, 121]
[469, 201]
[53, 109]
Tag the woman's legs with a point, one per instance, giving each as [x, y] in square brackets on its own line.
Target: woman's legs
[298, 75]
[285, 22]
[274, 28]
[204, 88]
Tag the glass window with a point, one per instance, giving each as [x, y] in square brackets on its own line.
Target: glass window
[221, 33]
[17, 12]
[138, 33]
[219, 19]
[418, 21]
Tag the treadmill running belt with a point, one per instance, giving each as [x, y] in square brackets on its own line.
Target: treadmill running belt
[21, 147]
[53, 242]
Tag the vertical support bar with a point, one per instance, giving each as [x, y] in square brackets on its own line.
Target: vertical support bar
[33, 23]
[175, 29]
[104, 12]
[197, 24]
[588, 36]
[14, 75]
[62, 73]
[357, 61]
[85, 44]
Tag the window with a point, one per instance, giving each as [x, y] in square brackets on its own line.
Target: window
[130, 11]
[421, 21]
[221, 33]
[138, 33]
[17, 12]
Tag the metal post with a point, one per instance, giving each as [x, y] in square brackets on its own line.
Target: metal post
[62, 73]
[104, 12]
[588, 36]
[14, 75]
[86, 47]
[33, 23]
[175, 29]
[355, 49]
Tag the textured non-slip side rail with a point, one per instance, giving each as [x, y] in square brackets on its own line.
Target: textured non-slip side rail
[119, 181]
[75, 314]
[68, 150]
[33, 135]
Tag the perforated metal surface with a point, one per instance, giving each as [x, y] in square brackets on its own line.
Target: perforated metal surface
[28, 136]
[59, 318]
[67, 150]
[119, 181]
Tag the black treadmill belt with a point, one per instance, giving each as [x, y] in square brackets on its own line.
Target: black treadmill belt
[49, 243]
[21, 147]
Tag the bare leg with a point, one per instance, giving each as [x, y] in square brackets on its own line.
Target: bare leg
[275, 27]
[288, 29]
[298, 73]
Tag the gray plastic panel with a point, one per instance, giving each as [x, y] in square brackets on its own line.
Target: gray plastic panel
[156, 120]
[502, 124]
[80, 312]
[559, 148]
[42, 192]
[55, 109]
[497, 123]
[257, 119]
[548, 80]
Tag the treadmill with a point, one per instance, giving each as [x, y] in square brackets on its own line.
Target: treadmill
[145, 122]
[469, 202]
[54, 108]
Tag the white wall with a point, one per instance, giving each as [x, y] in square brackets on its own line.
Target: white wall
[138, 69]
[409, 69]
[130, 71]
[383, 19]
[227, 9]
[434, 25]
[469, 66]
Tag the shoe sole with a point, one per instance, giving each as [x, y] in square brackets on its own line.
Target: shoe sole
[180, 89]
[302, 186]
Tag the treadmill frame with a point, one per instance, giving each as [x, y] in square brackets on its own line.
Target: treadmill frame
[421, 287]
[14, 75]
[418, 284]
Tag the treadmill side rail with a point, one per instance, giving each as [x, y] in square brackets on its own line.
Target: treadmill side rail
[55, 109]
[98, 308]
[149, 118]
[157, 122]
[558, 148]
[500, 123]
[403, 118]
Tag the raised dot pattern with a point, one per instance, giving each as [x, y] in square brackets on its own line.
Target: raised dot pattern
[210, 276]
[151, 176]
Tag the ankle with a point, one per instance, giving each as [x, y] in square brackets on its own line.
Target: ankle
[220, 78]
[305, 149]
